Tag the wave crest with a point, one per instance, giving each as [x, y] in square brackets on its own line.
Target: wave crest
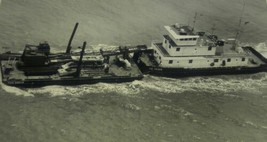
[216, 84]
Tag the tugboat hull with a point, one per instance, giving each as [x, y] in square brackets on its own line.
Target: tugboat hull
[180, 72]
[147, 64]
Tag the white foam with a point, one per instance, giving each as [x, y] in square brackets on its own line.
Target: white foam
[209, 84]
[262, 48]
[217, 84]
[220, 84]
[14, 90]
[100, 88]
[90, 48]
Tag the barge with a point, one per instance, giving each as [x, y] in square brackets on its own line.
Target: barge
[36, 66]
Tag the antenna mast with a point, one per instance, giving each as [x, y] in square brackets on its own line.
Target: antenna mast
[195, 19]
[213, 29]
[194, 22]
[239, 30]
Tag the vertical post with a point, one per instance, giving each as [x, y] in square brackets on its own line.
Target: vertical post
[78, 72]
[239, 30]
[71, 38]
[213, 29]
[194, 22]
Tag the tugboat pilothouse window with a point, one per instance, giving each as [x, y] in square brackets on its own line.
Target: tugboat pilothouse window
[210, 47]
[177, 49]
[228, 60]
[243, 59]
[190, 61]
[170, 61]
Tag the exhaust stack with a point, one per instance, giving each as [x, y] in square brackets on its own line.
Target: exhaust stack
[72, 35]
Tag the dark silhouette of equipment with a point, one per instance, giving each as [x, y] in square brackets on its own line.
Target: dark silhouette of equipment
[71, 38]
[79, 67]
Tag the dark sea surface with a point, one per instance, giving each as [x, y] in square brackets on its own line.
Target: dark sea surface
[205, 109]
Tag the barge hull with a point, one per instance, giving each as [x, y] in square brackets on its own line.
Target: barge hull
[70, 81]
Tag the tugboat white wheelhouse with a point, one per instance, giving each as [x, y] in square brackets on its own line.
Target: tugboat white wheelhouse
[186, 53]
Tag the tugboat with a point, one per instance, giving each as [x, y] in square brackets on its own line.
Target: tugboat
[36, 66]
[184, 52]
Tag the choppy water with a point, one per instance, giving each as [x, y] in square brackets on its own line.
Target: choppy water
[218, 108]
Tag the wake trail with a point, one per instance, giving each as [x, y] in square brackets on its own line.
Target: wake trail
[14, 90]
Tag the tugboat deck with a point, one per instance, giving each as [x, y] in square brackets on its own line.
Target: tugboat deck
[228, 52]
